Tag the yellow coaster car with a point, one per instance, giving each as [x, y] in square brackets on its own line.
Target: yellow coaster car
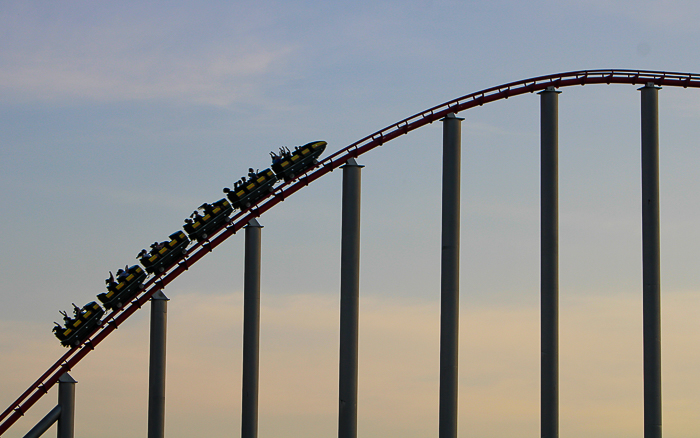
[304, 157]
[78, 328]
[200, 227]
[166, 254]
[255, 188]
[127, 285]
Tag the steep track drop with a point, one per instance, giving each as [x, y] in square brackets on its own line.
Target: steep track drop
[238, 221]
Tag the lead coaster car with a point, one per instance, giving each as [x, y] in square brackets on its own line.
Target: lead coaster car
[206, 225]
[253, 189]
[119, 293]
[160, 260]
[303, 158]
[77, 330]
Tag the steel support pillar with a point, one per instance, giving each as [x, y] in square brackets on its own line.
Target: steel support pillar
[449, 280]
[549, 264]
[156, 366]
[44, 424]
[251, 330]
[651, 261]
[66, 400]
[349, 300]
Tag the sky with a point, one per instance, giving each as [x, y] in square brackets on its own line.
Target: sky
[118, 119]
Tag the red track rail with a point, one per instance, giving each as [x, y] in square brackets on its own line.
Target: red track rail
[72, 357]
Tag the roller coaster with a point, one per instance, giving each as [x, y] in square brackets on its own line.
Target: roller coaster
[258, 195]
[164, 255]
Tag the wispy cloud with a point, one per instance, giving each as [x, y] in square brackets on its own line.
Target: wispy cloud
[214, 80]
[101, 58]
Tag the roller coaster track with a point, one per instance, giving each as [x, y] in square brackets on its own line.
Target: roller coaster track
[282, 192]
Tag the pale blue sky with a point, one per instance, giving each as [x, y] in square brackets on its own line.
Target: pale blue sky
[116, 120]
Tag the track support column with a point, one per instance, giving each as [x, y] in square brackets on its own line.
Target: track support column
[156, 372]
[651, 261]
[549, 265]
[251, 330]
[449, 279]
[349, 300]
[66, 400]
[44, 424]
